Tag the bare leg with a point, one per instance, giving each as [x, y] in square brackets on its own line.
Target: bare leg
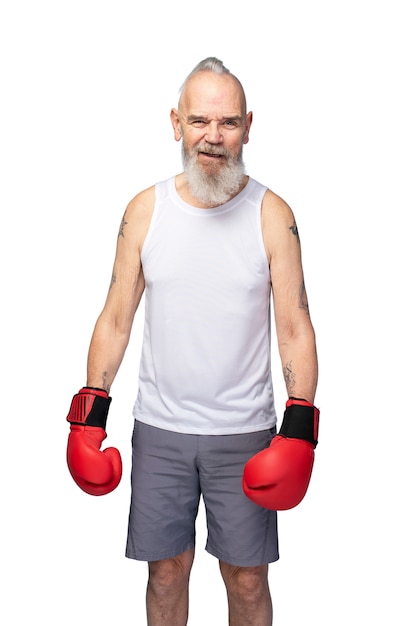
[167, 595]
[248, 593]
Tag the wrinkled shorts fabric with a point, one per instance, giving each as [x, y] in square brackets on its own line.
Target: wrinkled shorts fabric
[172, 473]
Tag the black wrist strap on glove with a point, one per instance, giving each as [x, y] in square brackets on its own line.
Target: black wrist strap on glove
[300, 421]
[90, 407]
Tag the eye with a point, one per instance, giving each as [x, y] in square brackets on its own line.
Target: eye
[198, 123]
[231, 123]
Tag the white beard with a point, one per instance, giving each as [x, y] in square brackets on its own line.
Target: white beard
[213, 189]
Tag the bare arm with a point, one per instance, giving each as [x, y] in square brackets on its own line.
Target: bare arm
[114, 324]
[295, 333]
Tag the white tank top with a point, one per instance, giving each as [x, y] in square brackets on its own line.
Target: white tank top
[205, 363]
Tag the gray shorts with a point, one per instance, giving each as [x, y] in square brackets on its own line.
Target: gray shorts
[170, 471]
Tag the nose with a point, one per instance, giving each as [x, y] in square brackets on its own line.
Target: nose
[213, 134]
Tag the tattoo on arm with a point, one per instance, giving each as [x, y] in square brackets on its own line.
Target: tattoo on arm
[294, 230]
[303, 298]
[112, 281]
[122, 226]
[289, 377]
[105, 385]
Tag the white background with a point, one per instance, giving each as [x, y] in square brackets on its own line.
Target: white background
[86, 90]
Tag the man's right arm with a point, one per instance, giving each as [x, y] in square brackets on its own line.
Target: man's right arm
[97, 471]
[113, 327]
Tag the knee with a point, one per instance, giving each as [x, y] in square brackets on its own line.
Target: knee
[246, 584]
[169, 574]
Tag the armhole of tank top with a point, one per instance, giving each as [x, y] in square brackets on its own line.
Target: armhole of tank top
[157, 190]
[261, 193]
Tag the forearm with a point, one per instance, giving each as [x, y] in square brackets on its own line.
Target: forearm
[300, 366]
[106, 351]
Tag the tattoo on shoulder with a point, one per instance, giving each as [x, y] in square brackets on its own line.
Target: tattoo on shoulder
[122, 226]
[303, 298]
[294, 230]
[289, 377]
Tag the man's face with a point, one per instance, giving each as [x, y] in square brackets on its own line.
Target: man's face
[214, 126]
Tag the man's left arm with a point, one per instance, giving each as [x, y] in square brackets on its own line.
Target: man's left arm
[294, 329]
[278, 477]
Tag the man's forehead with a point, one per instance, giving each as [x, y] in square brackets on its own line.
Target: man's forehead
[207, 90]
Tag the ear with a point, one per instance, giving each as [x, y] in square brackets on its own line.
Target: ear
[249, 121]
[175, 122]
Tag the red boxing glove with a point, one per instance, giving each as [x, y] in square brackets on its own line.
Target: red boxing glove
[96, 472]
[277, 478]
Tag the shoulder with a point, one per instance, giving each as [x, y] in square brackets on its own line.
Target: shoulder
[138, 213]
[136, 219]
[274, 208]
[142, 204]
[278, 221]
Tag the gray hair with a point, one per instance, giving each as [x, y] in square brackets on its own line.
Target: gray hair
[211, 64]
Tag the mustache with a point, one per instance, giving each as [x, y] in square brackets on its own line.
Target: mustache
[209, 149]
